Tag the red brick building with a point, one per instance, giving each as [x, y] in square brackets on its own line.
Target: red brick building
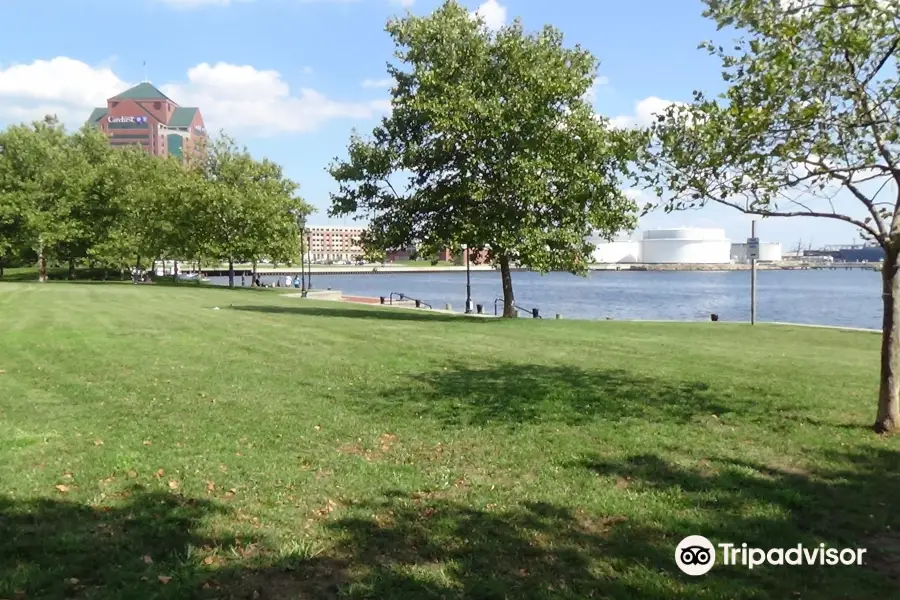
[144, 115]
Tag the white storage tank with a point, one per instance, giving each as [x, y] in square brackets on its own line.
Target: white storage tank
[621, 249]
[685, 245]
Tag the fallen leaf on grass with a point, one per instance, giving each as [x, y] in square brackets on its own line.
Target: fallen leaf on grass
[67, 475]
[132, 474]
[2, 372]
[148, 559]
[208, 560]
[62, 488]
[147, 442]
[98, 442]
[230, 493]
[210, 486]
[159, 473]
[164, 579]
[173, 485]
[72, 581]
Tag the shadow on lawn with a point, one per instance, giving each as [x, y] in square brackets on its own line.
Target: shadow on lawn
[512, 394]
[53, 548]
[780, 506]
[390, 314]
[410, 545]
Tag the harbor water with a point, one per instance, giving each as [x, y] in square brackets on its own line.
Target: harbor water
[847, 298]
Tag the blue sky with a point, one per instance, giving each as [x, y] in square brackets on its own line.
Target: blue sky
[292, 78]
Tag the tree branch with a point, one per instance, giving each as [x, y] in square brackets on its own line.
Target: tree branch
[824, 215]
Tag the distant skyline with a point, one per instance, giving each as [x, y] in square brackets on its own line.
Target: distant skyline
[291, 79]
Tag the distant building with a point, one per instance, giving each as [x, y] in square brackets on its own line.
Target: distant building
[329, 243]
[685, 245]
[145, 116]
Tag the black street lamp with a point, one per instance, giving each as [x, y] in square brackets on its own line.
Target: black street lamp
[301, 225]
[309, 262]
[465, 248]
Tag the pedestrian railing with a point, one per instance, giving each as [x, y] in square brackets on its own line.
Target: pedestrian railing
[401, 297]
[534, 312]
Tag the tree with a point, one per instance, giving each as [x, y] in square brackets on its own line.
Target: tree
[45, 178]
[249, 207]
[495, 146]
[808, 126]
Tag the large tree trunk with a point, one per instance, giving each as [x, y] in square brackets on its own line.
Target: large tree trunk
[71, 274]
[888, 417]
[509, 300]
[230, 272]
[135, 276]
[42, 261]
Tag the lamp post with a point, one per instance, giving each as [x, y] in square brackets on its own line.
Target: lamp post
[309, 262]
[465, 248]
[301, 225]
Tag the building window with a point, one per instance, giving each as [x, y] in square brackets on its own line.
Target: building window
[157, 105]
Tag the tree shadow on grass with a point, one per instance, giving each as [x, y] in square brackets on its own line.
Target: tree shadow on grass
[53, 548]
[390, 314]
[849, 505]
[407, 545]
[432, 545]
[512, 394]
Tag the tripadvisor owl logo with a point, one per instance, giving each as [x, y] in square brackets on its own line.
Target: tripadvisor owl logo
[696, 555]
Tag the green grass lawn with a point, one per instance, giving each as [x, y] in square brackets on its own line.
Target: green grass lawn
[153, 447]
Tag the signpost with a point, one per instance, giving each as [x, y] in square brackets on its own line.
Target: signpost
[753, 254]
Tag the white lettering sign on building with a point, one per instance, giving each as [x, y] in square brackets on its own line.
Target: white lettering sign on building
[136, 120]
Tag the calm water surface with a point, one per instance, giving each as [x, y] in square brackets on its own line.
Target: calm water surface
[846, 298]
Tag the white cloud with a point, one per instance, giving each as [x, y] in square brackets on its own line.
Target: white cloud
[188, 4]
[198, 3]
[644, 112]
[62, 86]
[237, 98]
[590, 96]
[378, 83]
[492, 13]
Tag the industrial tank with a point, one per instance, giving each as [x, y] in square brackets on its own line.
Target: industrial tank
[621, 249]
[685, 245]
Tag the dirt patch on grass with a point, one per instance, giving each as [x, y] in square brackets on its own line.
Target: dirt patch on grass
[317, 579]
[884, 554]
[383, 446]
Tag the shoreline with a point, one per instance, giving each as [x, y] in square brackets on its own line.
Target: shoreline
[635, 267]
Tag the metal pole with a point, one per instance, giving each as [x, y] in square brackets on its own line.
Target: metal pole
[468, 285]
[302, 266]
[309, 278]
[753, 278]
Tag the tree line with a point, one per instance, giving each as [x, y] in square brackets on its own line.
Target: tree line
[72, 199]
